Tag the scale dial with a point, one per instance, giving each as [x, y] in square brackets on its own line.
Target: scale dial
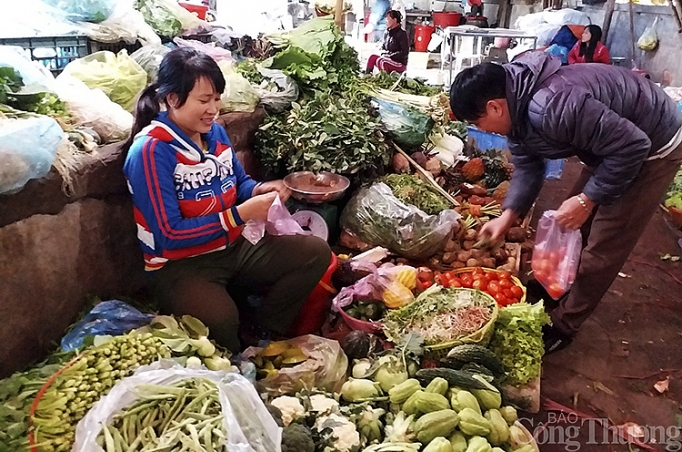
[313, 222]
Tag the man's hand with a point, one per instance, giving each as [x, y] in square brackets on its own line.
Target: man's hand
[497, 228]
[275, 186]
[257, 207]
[573, 214]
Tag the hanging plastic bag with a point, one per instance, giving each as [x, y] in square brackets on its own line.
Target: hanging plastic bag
[285, 92]
[239, 95]
[149, 58]
[248, 425]
[378, 218]
[27, 150]
[324, 369]
[649, 39]
[407, 126]
[84, 10]
[217, 53]
[113, 318]
[279, 222]
[556, 255]
[92, 108]
[118, 75]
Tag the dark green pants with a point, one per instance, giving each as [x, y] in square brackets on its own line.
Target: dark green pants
[284, 269]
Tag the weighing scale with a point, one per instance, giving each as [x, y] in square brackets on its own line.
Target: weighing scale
[311, 195]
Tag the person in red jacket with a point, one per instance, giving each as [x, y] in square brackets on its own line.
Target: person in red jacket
[590, 49]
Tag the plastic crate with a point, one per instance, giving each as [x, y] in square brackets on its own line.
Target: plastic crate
[486, 141]
[115, 47]
[54, 52]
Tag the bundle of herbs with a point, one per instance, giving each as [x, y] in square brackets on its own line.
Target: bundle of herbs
[412, 190]
[401, 84]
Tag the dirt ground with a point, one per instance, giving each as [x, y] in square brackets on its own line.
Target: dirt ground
[632, 341]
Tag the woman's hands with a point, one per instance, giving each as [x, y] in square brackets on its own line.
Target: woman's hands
[275, 186]
[573, 213]
[497, 228]
[256, 208]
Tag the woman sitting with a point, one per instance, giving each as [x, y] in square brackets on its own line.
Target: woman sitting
[589, 49]
[191, 199]
[395, 48]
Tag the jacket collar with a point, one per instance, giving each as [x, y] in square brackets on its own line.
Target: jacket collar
[178, 139]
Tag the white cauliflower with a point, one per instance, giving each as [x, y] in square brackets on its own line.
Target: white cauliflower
[346, 436]
[323, 404]
[290, 407]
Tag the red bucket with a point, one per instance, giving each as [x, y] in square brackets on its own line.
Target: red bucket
[314, 311]
[198, 10]
[422, 37]
[446, 19]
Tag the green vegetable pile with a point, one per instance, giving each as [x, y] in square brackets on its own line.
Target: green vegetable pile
[160, 18]
[14, 94]
[675, 192]
[412, 190]
[517, 341]
[249, 69]
[406, 85]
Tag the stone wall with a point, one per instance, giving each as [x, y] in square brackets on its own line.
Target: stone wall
[56, 250]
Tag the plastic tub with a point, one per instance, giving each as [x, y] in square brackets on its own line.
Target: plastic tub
[198, 10]
[446, 19]
[316, 308]
[422, 37]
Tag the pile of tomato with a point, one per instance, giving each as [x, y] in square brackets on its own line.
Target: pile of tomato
[498, 284]
[549, 269]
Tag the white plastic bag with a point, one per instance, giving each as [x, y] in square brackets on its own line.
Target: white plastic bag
[287, 93]
[248, 424]
[92, 108]
[239, 95]
[279, 222]
[565, 17]
[27, 150]
[556, 255]
[649, 39]
[32, 73]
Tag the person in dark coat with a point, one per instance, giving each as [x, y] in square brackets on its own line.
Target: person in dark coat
[624, 128]
[395, 48]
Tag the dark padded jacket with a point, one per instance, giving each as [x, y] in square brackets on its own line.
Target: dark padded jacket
[396, 45]
[609, 117]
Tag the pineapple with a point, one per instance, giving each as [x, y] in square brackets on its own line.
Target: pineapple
[494, 173]
[500, 192]
[474, 169]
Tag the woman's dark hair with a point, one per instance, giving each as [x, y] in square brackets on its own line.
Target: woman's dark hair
[474, 87]
[395, 15]
[179, 70]
[587, 48]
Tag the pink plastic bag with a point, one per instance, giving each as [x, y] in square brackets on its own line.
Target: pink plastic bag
[279, 222]
[556, 255]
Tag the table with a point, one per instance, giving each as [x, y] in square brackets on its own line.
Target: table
[451, 43]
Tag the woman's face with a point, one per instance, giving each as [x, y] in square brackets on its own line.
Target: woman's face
[391, 22]
[197, 114]
[586, 35]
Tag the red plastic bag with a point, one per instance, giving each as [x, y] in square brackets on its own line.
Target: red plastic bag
[556, 255]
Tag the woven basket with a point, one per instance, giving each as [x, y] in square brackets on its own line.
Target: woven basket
[514, 279]
[480, 337]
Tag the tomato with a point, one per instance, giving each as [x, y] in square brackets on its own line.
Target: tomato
[540, 275]
[493, 288]
[506, 284]
[426, 284]
[455, 282]
[501, 299]
[517, 292]
[480, 284]
[442, 280]
[555, 290]
[505, 275]
[507, 293]
[467, 280]
[513, 300]
[492, 276]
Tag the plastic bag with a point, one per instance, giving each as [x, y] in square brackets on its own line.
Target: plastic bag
[378, 218]
[30, 18]
[556, 255]
[280, 100]
[649, 39]
[324, 369]
[27, 150]
[125, 24]
[558, 51]
[32, 73]
[249, 425]
[149, 58]
[373, 286]
[92, 108]
[113, 317]
[407, 126]
[168, 19]
[118, 75]
[217, 53]
[279, 222]
[239, 95]
[84, 10]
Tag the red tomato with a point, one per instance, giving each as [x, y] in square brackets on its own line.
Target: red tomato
[442, 280]
[540, 275]
[467, 280]
[426, 284]
[506, 284]
[493, 288]
[505, 275]
[517, 292]
[555, 290]
[480, 284]
[500, 299]
[507, 293]
[492, 276]
[455, 282]
[513, 301]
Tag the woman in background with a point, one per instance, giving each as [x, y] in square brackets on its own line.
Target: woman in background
[590, 49]
[395, 48]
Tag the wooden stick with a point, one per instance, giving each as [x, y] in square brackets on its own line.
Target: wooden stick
[632, 33]
[610, 7]
[338, 14]
[429, 177]
[677, 15]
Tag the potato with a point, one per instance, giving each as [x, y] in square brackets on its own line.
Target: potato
[527, 246]
[468, 244]
[500, 256]
[475, 199]
[488, 262]
[479, 254]
[470, 234]
[463, 256]
[449, 258]
[473, 263]
[402, 261]
[516, 235]
[458, 265]
[511, 261]
[451, 245]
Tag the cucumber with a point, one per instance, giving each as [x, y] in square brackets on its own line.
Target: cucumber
[464, 380]
[472, 353]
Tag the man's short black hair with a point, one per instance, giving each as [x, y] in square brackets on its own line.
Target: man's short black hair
[474, 87]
